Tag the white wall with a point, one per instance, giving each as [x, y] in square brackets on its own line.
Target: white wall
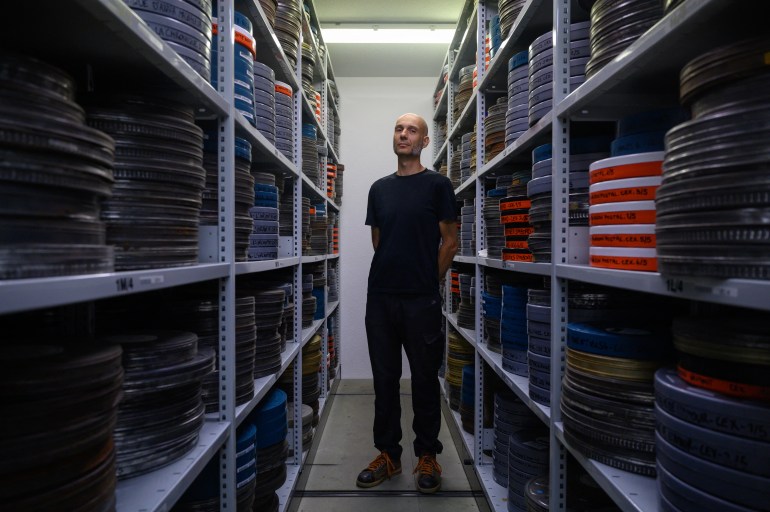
[369, 109]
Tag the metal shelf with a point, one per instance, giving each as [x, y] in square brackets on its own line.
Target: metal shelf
[535, 18]
[734, 292]
[331, 308]
[497, 495]
[465, 259]
[250, 267]
[128, 51]
[311, 331]
[159, 490]
[518, 151]
[24, 294]
[651, 63]
[467, 185]
[518, 384]
[270, 51]
[465, 117]
[632, 493]
[441, 155]
[442, 105]
[287, 489]
[264, 384]
[463, 56]
[262, 146]
[313, 259]
[468, 334]
[309, 186]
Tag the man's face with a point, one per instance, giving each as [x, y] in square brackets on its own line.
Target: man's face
[409, 136]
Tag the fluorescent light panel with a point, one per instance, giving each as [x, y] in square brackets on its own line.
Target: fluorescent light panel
[388, 35]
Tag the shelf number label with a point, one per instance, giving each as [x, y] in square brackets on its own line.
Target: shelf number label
[124, 284]
[675, 285]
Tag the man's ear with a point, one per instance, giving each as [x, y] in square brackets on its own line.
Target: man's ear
[425, 141]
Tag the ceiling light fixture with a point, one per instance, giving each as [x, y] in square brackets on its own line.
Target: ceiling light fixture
[379, 34]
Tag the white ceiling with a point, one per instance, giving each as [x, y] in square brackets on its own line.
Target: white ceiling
[392, 60]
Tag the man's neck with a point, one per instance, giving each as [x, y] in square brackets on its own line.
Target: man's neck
[408, 166]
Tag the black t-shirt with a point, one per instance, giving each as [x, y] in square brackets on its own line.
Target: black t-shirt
[407, 210]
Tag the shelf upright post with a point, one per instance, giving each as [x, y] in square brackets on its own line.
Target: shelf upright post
[299, 98]
[559, 235]
[226, 253]
[481, 21]
[324, 180]
[450, 105]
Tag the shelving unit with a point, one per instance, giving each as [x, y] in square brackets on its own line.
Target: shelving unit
[646, 73]
[106, 45]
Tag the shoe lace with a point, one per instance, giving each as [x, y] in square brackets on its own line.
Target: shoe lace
[382, 458]
[427, 465]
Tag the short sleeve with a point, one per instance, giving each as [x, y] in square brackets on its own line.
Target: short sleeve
[371, 214]
[446, 203]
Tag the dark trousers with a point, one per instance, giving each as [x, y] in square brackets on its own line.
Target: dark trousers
[416, 323]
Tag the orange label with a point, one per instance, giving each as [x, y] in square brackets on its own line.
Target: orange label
[244, 40]
[519, 231]
[625, 263]
[727, 387]
[518, 257]
[515, 205]
[517, 244]
[519, 218]
[620, 240]
[624, 194]
[630, 217]
[639, 170]
[283, 90]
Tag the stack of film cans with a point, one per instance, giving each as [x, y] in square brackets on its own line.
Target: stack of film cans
[460, 353]
[509, 11]
[185, 26]
[583, 151]
[713, 413]
[616, 25]
[622, 193]
[517, 115]
[284, 119]
[614, 212]
[540, 100]
[468, 228]
[263, 240]
[464, 90]
[513, 330]
[510, 416]
[264, 101]
[528, 455]
[492, 307]
[607, 395]
[271, 421]
[153, 215]
[713, 200]
[54, 174]
[245, 49]
[288, 23]
[495, 234]
[494, 125]
[514, 217]
[468, 155]
[466, 311]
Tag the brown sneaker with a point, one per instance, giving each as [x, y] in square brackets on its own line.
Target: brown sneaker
[380, 469]
[428, 474]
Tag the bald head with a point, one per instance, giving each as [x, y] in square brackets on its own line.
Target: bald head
[410, 136]
[415, 119]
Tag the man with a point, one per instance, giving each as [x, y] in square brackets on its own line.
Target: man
[413, 214]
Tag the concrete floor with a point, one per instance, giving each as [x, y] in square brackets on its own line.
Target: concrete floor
[343, 447]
